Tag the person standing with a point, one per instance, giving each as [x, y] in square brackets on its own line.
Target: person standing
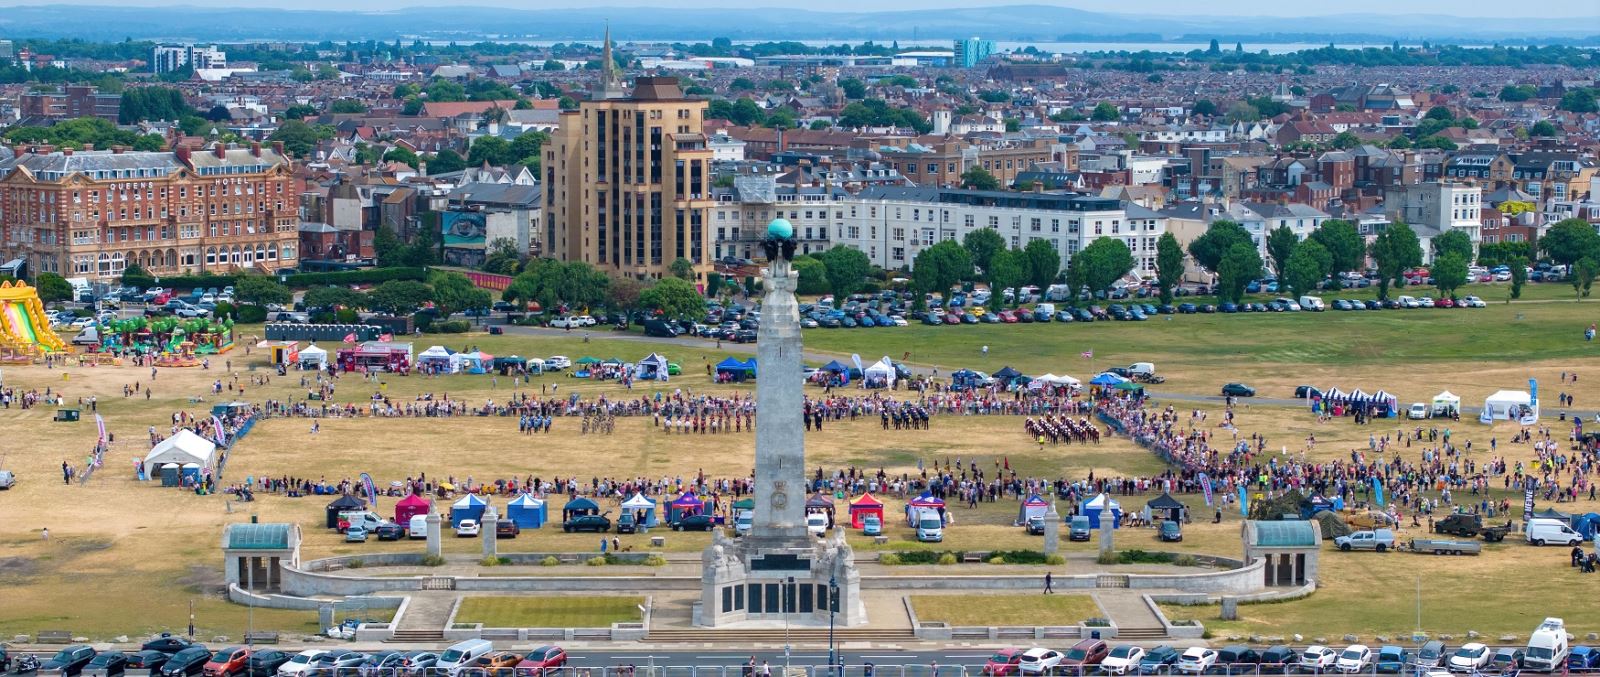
[1048, 580]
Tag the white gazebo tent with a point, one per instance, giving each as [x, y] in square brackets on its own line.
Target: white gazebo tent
[441, 357]
[1509, 405]
[312, 355]
[182, 449]
[883, 369]
[1446, 403]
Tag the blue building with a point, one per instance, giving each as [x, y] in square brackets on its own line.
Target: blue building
[972, 51]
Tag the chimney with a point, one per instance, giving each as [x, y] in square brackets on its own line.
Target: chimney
[277, 147]
[255, 148]
[183, 154]
[67, 152]
[219, 150]
[118, 150]
[88, 147]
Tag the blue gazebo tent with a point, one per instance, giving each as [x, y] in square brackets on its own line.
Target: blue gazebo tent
[737, 370]
[1106, 379]
[579, 506]
[527, 511]
[1097, 506]
[1588, 525]
[643, 509]
[470, 507]
[1034, 506]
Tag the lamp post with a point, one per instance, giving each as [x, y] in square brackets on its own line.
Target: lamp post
[783, 606]
[833, 608]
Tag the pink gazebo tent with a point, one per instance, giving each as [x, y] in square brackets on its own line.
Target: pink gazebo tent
[861, 507]
[410, 507]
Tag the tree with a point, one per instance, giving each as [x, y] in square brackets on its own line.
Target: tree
[940, 267]
[444, 162]
[134, 275]
[713, 284]
[492, 150]
[846, 269]
[1579, 101]
[1240, 264]
[553, 65]
[1583, 274]
[298, 138]
[402, 155]
[853, 88]
[260, 290]
[978, 178]
[1209, 248]
[397, 297]
[623, 293]
[1305, 267]
[1345, 140]
[1449, 272]
[52, 287]
[1044, 262]
[1542, 128]
[813, 276]
[525, 149]
[347, 106]
[551, 283]
[1570, 240]
[1099, 265]
[1169, 265]
[1105, 111]
[1519, 276]
[675, 298]
[503, 257]
[1204, 107]
[681, 268]
[1008, 269]
[982, 245]
[334, 297]
[1452, 242]
[1281, 243]
[1395, 250]
[299, 111]
[454, 292]
[219, 113]
[1343, 243]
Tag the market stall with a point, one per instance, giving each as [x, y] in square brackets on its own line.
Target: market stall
[1165, 507]
[881, 374]
[409, 507]
[312, 357]
[1446, 404]
[862, 507]
[731, 370]
[527, 511]
[923, 503]
[578, 507]
[438, 359]
[1096, 507]
[687, 504]
[643, 509]
[1031, 507]
[470, 507]
[1509, 405]
[652, 368]
[344, 503]
[822, 504]
[183, 449]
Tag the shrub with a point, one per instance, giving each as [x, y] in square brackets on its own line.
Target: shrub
[251, 314]
[920, 557]
[432, 560]
[997, 559]
[1137, 556]
[1186, 561]
[225, 309]
[371, 275]
[888, 559]
[449, 327]
[655, 560]
[1097, 622]
[947, 558]
[1055, 560]
[1108, 558]
[549, 561]
[347, 316]
[596, 561]
[354, 563]
[1022, 556]
[494, 561]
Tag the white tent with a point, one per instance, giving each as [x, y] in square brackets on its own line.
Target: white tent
[313, 355]
[440, 357]
[652, 367]
[883, 369]
[184, 448]
[1061, 380]
[1446, 402]
[1508, 405]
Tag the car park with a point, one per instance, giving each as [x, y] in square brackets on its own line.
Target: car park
[1003, 663]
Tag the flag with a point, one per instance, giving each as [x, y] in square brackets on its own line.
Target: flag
[386, 337]
[1008, 463]
[1087, 354]
[1205, 485]
[372, 491]
[1377, 490]
[1244, 501]
[350, 338]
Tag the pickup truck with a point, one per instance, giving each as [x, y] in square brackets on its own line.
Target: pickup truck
[1380, 540]
[1439, 546]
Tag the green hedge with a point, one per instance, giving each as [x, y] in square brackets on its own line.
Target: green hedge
[933, 556]
[369, 275]
[450, 327]
[251, 314]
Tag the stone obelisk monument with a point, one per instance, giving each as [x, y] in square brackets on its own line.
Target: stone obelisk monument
[779, 571]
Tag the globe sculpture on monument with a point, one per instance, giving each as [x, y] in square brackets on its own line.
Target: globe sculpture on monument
[778, 571]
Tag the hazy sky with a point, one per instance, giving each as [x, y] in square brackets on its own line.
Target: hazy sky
[1465, 8]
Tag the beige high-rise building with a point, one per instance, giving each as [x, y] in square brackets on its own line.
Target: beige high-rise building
[627, 179]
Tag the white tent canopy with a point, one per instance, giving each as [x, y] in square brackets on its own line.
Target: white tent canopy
[1059, 380]
[883, 369]
[313, 355]
[1446, 401]
[184, 448]
[1507, 405]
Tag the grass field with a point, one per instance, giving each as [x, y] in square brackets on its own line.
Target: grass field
[1062, 609]
[117, 544]
[548, 611]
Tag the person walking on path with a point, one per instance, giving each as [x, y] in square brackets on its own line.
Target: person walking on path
[1048, 580]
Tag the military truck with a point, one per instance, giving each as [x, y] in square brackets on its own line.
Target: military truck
[1470, 525]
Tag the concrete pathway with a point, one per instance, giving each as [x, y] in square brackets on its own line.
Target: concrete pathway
[1126, 609]
[427, 611]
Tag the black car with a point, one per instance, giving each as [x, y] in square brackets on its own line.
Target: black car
[389, 531]
[169, 644]
[1278, 659]
[1159, 660]
[693, 523]
[1303, 392]
[69, 661]
[337, 664]
[1208, 309]
[1237, 659]
[1238, 390]
[383, 662]
[108, 664]
[265, 663]
[145, 662]
[187, 662]
[599, 523]
[506, 529]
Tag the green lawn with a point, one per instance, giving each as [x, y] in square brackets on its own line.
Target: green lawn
[549, 612]
[1039, 609]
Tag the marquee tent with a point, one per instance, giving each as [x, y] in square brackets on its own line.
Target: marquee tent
[470, 507]
[477, 362]
[881, 373]
[182, 449]
[652, 367]
[1034, 506]
[527, 511]
[643, 509]
[1106, 379]
[579, 506]
[312, 355]
[1507, 405]
[1165, 507]
[1588, 525]
[1446, 403]
[343, 503]
[686, 505]
[861, 507]
[440, 358]
[1057, 380]
[410, 507]
[736, 370]
[1006, 375]
[1095, 507]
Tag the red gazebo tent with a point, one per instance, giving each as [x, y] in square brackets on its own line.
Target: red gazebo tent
[861, 507]
[409, 507]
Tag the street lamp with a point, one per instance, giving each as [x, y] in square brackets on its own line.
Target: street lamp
[833, 609]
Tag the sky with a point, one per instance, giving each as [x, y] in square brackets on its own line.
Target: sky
[1461, 8]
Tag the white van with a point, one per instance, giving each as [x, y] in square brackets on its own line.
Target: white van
[1146, 368]
[1312, 303]
[1546, 530]
[817, 524]
[930, 529]
[365, 519]
[1408, 302]
[461, 654]
[418, 528]
[1048, 308]
[1547, 647]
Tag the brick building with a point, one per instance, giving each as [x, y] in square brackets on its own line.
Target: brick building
[72, 101]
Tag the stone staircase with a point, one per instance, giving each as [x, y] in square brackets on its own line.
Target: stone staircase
[1140, 634]
[416, 637]
[816, 636]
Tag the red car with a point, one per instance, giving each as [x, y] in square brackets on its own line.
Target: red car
[1444, 303]
[1003, 663]
[1085, 653]
[1008, 316]
[541, 660]
[227, 662]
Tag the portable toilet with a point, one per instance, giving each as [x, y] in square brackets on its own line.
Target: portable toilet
[170, 475]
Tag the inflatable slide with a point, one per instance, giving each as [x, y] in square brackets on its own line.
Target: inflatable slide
[23, 326]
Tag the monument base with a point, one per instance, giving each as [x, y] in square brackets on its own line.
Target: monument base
[780, 579]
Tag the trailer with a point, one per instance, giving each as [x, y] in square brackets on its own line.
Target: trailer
[1440, 546]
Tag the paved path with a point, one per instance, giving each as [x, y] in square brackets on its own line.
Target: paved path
[427, 610]
[1126, 609]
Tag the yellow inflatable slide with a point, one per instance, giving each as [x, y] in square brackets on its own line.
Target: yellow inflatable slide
[23, 326]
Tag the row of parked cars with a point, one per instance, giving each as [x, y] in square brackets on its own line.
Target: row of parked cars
[1094, 656]
[174, 656]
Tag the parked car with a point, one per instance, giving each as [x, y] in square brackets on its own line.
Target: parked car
[506, 529]
[1317, 658]
[1086, 653]
[599, 523]
[265, 662]
[467, 528]
[1506, 659]
[1158, 660]
[1196, 660]
[168, 644]
[1122, 659]
[1278, 659]
[1003, 663]
[1170, 532]
[1354, 658]
[144, 662]
[389, 531]
[1431, 654]
[106, 664]
[694, 523]
[1392, 659]
[1078, 528]
[541, 660]
[227, 662]
[1471, 657]
[298, 663]
[494, 663]
[1380, 540]
[355, 533]
[1038, 661]
[1238, 390]
[1236, 659]
[186, 663]
[1583, 658]
[69, 661]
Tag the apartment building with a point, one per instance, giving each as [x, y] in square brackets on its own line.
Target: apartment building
[169, 58]
[943, 163]
[742, 212]
[1439, 206]
[93, 213]
[66, 103]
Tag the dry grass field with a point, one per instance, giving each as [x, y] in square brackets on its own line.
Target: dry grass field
[118, 544]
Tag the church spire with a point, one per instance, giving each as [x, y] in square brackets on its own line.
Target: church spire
[610, 79]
